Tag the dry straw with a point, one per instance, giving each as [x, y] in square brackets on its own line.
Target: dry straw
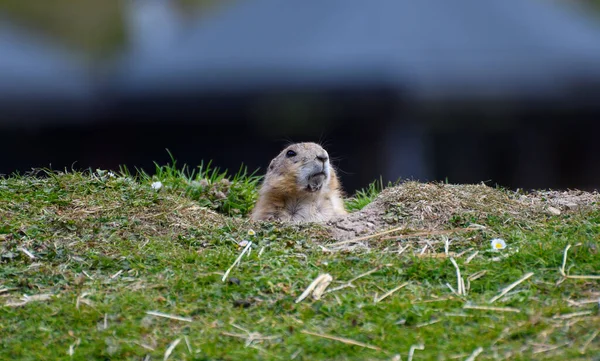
[510, 287]
[565, 275]
[342, 339]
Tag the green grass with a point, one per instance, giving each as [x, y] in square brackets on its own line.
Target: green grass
[110, 248]
[362, 197]
[209, 186]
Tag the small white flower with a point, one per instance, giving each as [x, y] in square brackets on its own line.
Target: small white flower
[111, 174]
[156, 185]
[243, 243]
[251, 232]
[498, 244]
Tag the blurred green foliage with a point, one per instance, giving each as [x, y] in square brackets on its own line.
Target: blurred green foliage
[96, 28]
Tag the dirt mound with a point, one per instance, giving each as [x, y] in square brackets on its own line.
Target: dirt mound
[567, 200]
[434, 206]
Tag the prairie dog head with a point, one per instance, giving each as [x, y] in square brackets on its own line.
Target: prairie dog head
[307, 162]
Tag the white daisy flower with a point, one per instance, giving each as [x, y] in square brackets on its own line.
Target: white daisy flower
[156, 185]
[243, 243]
[251, 232]
[498, 244]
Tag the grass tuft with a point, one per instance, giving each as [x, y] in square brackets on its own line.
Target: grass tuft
[211, 187]
[364, 196]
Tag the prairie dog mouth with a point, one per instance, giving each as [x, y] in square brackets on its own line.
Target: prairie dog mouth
[315, 181]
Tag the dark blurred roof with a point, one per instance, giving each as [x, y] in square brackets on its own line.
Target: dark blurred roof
[38, 77]
[425, 48]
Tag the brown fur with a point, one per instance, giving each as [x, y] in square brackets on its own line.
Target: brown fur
[295, 191]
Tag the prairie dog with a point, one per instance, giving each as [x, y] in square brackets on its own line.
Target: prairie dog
[300, 186]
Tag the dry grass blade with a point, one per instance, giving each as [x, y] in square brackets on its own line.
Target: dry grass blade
[427, 323]
[72, 347]
[434, 300]
[321, 286]
[402, 249]
[345, 285]
[389, 293]
[460, 254]
[411, 352]
[460, 289]
[143, 345]
[579, 277]
[583, 302]
[171, 317]
[250, 337]
[562, 268]
[437, 255]
[27, 253]
[116, 275]
[452, 289]
[349, 283]
[237, 260]
[354, 240]
[343, 340]
[475, 353]
[187, 343]
[26, 299]
[317, 287]
[550, 348]
[510, 287]
[495, 309]
[7, 289]
[368, 273]
[589, 341]
[477, 275]
[171, 348]
[567, 316]
[584, 277]
[82, 299]
[430, 233]
[470, 258]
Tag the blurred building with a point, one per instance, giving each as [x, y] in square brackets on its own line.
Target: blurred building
[500, 91]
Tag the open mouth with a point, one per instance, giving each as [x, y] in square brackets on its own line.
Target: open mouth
[315, 181]
[313, 187]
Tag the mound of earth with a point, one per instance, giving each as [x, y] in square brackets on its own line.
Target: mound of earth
[432, 206]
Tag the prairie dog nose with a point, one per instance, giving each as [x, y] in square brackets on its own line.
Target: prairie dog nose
[323, 157]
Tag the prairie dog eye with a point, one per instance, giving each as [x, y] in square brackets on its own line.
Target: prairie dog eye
[290, 154]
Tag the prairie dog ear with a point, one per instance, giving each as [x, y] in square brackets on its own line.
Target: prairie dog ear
[271, 165]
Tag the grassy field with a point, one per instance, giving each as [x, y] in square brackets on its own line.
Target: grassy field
[98, 266]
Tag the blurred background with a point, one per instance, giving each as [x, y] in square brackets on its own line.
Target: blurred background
[501, 91]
